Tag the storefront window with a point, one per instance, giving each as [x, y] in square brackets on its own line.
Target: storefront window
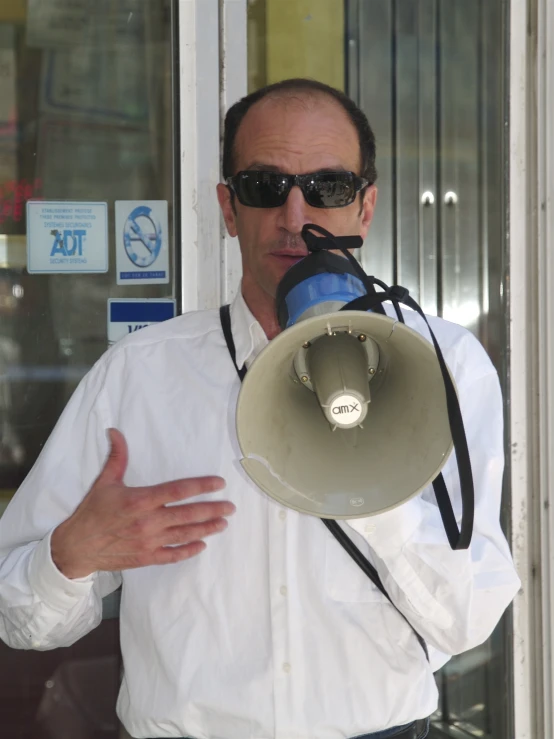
[429, 74]
[86, 121]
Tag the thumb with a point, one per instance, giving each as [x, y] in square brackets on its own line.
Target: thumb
[116, 464]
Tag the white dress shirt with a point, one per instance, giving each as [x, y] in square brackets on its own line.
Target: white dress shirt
[272, 631]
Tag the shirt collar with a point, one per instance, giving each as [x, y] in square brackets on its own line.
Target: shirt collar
[248, 335]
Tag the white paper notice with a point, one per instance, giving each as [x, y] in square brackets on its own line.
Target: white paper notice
[141, 242]
[65, 236]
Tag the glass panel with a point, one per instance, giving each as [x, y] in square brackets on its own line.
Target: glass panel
[430, 76]
[295, 38]
[376, 18]
[85, 116]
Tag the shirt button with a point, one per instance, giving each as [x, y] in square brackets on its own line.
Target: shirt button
[286, 667]
[282, 515]
[369, 528]
[283, 590]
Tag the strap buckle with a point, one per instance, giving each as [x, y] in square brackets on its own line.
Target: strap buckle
[399, 293]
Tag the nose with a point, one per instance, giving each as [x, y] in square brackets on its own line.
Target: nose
[295, 211]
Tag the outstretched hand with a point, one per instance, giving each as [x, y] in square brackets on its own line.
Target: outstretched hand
[117, 527]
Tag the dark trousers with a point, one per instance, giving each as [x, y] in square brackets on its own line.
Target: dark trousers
[417, 730]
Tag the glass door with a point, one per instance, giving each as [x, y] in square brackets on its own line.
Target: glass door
[87, 183]
[429, 74]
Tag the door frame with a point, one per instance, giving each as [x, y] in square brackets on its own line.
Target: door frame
[531, 358]
[212, 58]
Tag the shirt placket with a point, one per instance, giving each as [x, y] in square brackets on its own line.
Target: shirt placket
[283, 662]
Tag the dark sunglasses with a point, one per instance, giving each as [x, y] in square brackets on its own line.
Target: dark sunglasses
[259, 189]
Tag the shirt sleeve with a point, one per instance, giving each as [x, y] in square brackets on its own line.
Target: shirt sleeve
[454, 599]
[39, 607]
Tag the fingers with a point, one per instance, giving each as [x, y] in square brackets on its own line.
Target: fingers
[179, 535]
[154, 525]
[169, 555]
[170, 544]
[116, 464]
[192, 513]
[177, 490]
[148, 498]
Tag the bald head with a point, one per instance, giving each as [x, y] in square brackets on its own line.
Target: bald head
[296, 132]
[299, 92]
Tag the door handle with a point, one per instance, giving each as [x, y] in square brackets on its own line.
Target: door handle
[427, 198]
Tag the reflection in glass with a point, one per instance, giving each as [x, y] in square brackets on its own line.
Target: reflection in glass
[85, 115]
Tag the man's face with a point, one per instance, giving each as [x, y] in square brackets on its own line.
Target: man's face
[292, 136]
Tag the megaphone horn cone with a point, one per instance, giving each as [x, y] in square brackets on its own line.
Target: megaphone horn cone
[295, 453]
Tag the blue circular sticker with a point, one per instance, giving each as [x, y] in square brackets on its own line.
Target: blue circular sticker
[142, 236]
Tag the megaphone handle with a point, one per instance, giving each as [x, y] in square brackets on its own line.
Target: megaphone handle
[344, 540]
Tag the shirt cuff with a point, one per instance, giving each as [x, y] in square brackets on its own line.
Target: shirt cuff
[51, 585]
[388, 532]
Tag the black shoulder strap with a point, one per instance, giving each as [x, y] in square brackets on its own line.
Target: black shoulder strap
[339, 534]
[459, 538]
[225, 317]
[365, 565]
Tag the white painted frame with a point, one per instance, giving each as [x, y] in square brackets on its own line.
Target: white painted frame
[531, 228]
[213, 75]
[520, 374]
[199, 153]
[187, 239]
[545, 347]
[544, 352]
[234, 85]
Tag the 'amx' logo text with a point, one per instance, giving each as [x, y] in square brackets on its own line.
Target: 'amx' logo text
[68, 243]
[339, 409]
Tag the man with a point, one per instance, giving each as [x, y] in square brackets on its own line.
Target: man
[272, 631]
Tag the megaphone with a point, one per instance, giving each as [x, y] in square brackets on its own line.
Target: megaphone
[343, 415]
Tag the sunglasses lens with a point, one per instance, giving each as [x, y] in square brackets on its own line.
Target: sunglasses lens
[330, 190]
[262, 189]
[259, 189]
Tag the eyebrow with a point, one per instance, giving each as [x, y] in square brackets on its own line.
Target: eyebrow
[260, 166]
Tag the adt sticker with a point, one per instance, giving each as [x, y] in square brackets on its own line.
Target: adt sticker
[142, 250]
[65, 236]
[127, 315]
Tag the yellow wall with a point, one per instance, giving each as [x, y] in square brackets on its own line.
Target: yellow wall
[13, 11]
[302, 38]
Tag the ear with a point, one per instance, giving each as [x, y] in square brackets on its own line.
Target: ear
[226, 205]
[368, 206]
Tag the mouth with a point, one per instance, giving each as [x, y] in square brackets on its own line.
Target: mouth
[289, 257]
